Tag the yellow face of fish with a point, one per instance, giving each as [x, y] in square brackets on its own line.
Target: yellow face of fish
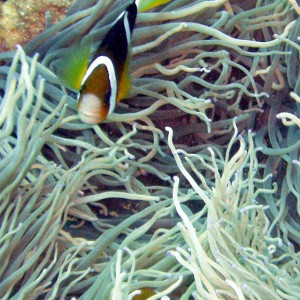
[94, 96]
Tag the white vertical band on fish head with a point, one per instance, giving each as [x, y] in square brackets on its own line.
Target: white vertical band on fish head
[104, 60]
[124, 15]
[127, 28]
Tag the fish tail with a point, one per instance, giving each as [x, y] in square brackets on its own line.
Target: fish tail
[144, 5]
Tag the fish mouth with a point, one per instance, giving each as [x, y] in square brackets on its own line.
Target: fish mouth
[91, 110]
[89, 118]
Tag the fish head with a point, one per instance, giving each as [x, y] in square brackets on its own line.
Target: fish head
[96, 98]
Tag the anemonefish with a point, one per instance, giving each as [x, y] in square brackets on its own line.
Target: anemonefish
[105, 81]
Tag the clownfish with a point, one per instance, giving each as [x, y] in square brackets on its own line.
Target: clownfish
[106, 80]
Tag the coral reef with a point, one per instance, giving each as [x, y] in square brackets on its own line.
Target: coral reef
[22, 20]
[205, 152]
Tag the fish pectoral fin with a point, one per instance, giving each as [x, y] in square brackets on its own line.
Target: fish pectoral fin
[71, 67]
[125, 82]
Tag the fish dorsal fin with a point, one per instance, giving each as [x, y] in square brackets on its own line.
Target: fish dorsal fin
[144, 5]
[72, 65]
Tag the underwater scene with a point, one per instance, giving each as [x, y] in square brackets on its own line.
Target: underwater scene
[150, 149]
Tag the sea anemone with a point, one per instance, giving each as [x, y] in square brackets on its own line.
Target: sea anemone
[190, 190]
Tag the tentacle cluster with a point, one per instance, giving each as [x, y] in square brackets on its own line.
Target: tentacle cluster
[201, 161]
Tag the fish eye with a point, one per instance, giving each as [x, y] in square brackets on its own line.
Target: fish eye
[107, 97]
